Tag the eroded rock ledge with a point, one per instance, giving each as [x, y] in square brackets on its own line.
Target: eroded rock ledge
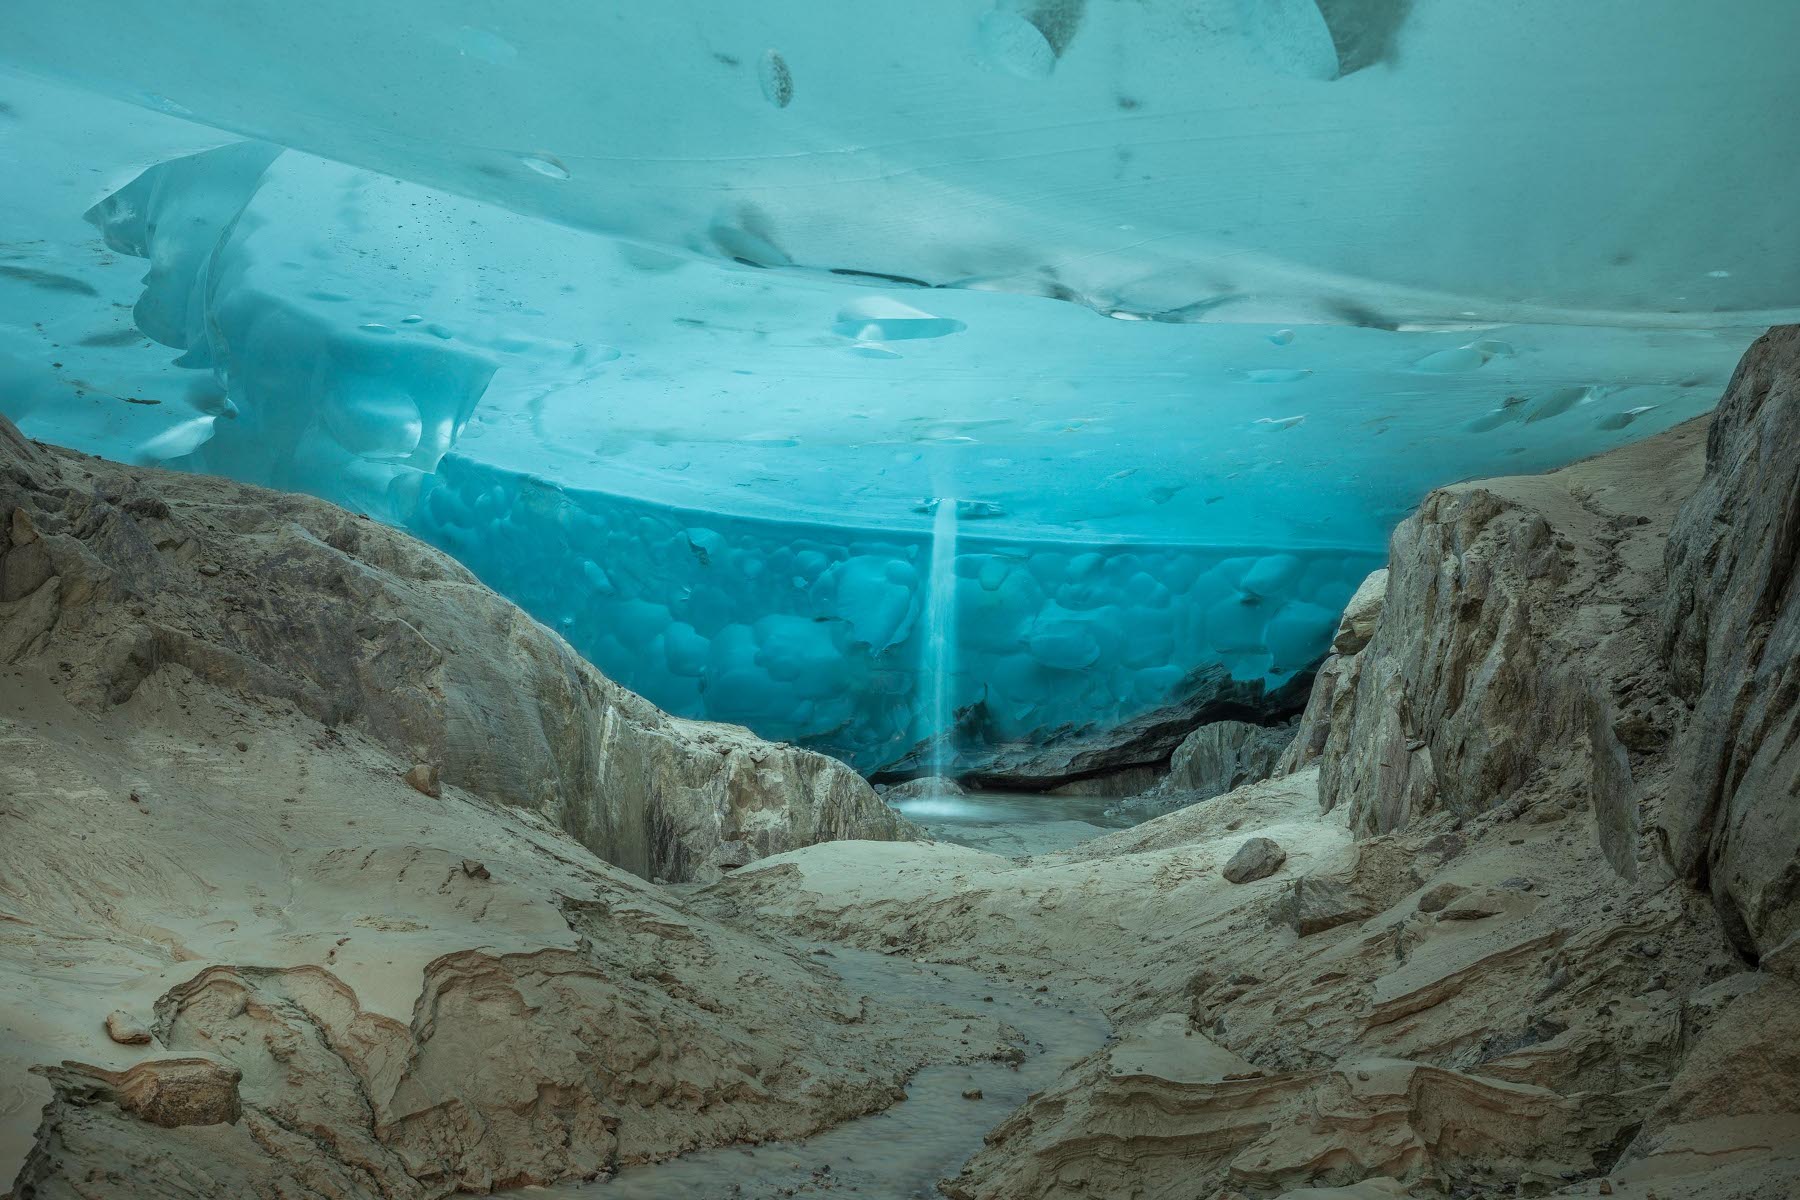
[117, 573]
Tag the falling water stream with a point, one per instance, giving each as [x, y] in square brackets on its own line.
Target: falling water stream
[940, 636]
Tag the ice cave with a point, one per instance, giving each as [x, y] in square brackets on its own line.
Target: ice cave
[1042, 453]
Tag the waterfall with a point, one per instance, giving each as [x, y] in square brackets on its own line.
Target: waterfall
[939, 654]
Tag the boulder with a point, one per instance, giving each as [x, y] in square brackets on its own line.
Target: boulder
[929, 785]
[1256, 859]
[424, 779]
[126, 1029]
[1222, 755]
[1730, 631]
[173, 1092]
[1731, 1106]
[1212, 760]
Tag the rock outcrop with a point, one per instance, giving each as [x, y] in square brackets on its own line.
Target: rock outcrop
[1515, 658]
[119, 573]
[1730, 623]
[1258, 858]
[1146, 742]
[168, 1092]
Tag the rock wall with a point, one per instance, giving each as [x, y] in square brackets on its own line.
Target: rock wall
[1516, 646]
[1730, 626]
[118, 573]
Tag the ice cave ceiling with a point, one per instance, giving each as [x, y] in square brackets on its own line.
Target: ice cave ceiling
[673, 321]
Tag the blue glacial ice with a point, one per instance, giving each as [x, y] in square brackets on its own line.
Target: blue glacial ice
[676, 323]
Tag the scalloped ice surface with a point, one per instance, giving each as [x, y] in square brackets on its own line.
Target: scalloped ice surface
[627, 306]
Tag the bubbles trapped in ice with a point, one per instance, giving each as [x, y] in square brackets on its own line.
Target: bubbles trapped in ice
[1277, 424]
[544, 164]
[776, 80]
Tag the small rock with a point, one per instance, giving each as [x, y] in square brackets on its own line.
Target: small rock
[423, 777]
[1440, 896]
[1518, 883]
[209, 568]
[126, 1029]
[1472, 908]
[474, 870]
[243, 747]
[1256, 859]
[972, 1094]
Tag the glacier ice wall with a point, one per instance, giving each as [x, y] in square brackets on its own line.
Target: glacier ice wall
[816, 633]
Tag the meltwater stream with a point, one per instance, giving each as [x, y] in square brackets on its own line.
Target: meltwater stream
[901, 1153]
